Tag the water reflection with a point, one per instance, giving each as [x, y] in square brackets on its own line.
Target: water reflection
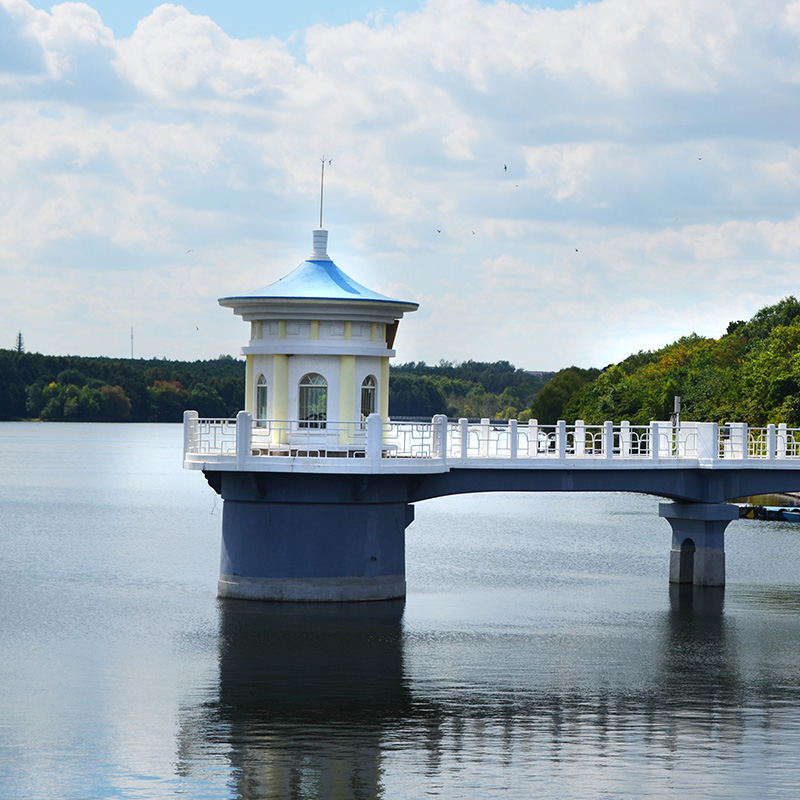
[321, 701]
[305, 692]
[701, 691]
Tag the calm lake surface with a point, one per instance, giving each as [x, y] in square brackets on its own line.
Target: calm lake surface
[540, 651]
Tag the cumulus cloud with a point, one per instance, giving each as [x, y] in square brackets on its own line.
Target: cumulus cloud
[553, 186]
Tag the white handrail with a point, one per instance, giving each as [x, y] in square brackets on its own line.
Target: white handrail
[445, 441]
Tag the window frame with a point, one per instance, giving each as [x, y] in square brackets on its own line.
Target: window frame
[312, 400]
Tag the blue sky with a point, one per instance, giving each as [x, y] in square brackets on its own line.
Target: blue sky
[248, 18]
[554, 185]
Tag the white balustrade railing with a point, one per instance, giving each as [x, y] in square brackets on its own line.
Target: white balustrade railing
[463, 441]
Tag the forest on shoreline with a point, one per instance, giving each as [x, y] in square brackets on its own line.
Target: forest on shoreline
[750, 374]
[85, 389]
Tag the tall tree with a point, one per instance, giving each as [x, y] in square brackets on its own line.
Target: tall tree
[19, 346]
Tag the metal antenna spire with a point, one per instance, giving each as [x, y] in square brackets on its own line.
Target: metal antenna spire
[321, 188]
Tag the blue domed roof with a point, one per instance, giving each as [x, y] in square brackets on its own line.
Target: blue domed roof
[318, 278]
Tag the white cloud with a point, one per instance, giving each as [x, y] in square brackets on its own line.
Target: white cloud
[651, 180]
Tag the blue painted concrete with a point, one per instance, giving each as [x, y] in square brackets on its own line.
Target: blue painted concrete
[340, 537]
[312, 537]
[310, 540]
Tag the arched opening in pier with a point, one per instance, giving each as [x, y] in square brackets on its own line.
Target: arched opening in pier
[686, 572]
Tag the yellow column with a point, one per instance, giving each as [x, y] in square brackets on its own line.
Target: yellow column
[347, 395]
[248, 384]
[280, 395]
[281, 328]
[314, 332]
[348, 330]
[383, 404]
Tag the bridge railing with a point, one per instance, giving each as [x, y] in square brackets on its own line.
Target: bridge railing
[463, 441]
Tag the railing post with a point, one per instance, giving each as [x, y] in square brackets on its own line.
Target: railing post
[463, 433]
[440, 436]
[189, 429]
[244, 429]
[625, 438]
[654, 440]
[374, 438]
[707, 440]
[783, 439]
[580, 438]
[561, 439]
[533, 438]
[484, 437]
[731, 441]
[513, 444]
[771, 441]
[745, 441]
[608, 439]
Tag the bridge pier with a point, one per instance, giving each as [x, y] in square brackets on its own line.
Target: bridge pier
[312, 538]
[698, 541]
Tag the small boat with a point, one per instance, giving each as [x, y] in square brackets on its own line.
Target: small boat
[791, 514]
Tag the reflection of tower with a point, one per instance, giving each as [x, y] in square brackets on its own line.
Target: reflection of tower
[305, 693]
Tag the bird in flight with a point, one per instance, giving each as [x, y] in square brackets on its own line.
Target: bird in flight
[505, 167]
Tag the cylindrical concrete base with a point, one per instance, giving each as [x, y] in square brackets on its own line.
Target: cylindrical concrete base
[707, 568]
[698, 541]
[316, 540]
[312, 590]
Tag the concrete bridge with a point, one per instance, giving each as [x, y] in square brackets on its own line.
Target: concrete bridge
[317, 510]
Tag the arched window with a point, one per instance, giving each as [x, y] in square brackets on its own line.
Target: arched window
[261, 401]
[368, 396]
[312, 401]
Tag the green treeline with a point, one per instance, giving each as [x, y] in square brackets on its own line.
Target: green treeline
[77, 389]
[548, 405]
[471, 389]
[751, 374]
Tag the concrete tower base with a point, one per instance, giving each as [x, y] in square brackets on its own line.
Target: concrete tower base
[698, 541]
[312, 538]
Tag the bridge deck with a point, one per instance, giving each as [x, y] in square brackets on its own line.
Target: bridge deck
[376, 446]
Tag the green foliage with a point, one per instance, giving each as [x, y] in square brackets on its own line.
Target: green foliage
[751, 374]
[548, 406]
[471, 389]
[72, 377]
[101, 389]
[414, 396]
[78, 389]
[167, 401]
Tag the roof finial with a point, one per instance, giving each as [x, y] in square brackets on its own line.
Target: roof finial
[322, 187]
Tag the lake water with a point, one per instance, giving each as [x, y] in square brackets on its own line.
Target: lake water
[540, 652]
